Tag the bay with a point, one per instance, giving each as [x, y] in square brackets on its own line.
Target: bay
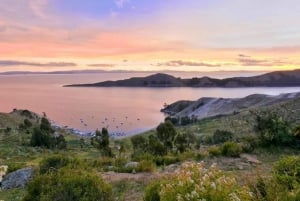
[123, 110]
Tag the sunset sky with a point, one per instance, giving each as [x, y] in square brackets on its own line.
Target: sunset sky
[188, 35]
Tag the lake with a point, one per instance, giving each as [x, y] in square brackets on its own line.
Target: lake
[122, 110]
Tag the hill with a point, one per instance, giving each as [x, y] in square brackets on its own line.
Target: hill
[273, 79]
[212, 107]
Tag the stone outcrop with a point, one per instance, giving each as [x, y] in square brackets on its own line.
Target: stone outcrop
[17, 178]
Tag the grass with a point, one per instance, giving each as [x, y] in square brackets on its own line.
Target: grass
[128, 190]
[12, 195]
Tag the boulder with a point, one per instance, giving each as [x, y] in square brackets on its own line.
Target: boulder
[131, 165]
[17, 179]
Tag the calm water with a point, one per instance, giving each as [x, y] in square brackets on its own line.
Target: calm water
[123, 110]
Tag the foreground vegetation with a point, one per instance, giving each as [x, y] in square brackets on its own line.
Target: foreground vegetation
[248, 156]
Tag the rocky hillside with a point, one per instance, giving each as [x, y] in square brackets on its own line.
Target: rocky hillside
[212, 107]
[273, 79]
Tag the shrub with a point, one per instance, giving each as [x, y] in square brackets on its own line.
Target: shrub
[231, 149]
[273, 130]
[249, 143]
[103, 161]
[195, 182]
[166, 134]
[15, 166]
[144, 156]
[146, 166]
[186, 156]
[214, 151]
[287, 171]
[221, 136]
[68, 185]
[139, 143]
[169, 159]
[120, 162]
[41, 138]
[56, 162]
[183, 141]
[152, 191]
[27, 123]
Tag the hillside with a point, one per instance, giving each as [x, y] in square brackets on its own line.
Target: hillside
[273, 79]
[211, 107]
[129, 183]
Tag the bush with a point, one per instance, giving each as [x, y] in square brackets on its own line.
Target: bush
[103, 161]
[187, 155]
[221, 136]
[152, 191]
[56, 162]
[249, 143]
[214, 151]
[146, 166]
[231, 149]
[121, 162]
[41, 138]
[144, 156]
[27, 123]
[195, 182]
[169, 159]
[15, 166]
[68, 185]
[273, 130]
[287, 171]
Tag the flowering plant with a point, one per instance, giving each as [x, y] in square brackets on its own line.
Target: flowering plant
[194, 182]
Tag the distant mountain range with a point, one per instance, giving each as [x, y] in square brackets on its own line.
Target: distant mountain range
[63, 72]
[273, 79]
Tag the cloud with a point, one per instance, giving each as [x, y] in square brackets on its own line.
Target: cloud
[121, 3]
[25, 63]
[177, 63]
[101, 65]
[243, 55]
[264, 62]
[38, 7]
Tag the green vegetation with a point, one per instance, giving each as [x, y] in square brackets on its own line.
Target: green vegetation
[68, 185]
[268, 171]
[43, 136]
[194, 182]
[101, 142]
[273, 130]
[231, 149]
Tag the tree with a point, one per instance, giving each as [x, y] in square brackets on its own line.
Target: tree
[273, 129]
[61, 142]
[41, 138]
[45, 125]
[101, 142]
[155, 147]
[139, 144]
[166, 133]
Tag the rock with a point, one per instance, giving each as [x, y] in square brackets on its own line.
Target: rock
[171, 168]
[131, 165]
[18, 178]
[3, 170]
[250, 158]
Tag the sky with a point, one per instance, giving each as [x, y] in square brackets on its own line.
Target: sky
[149, 35]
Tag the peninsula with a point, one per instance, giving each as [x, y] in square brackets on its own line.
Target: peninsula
[273, 79]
